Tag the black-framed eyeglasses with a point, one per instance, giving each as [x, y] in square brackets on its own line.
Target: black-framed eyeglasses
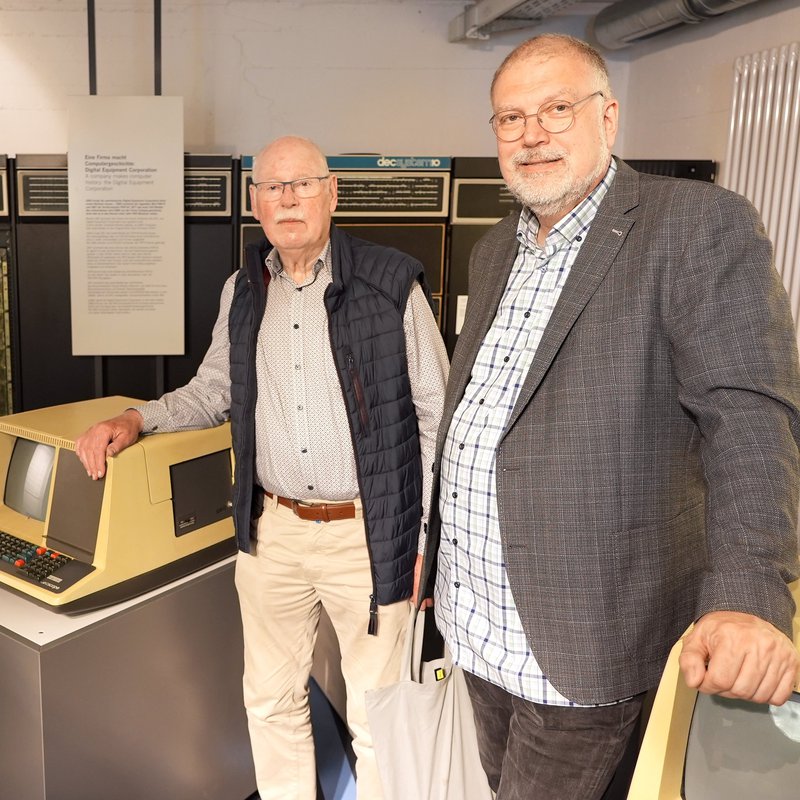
[554, 117]
[303, 188]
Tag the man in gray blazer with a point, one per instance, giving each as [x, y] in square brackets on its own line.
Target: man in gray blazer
[618, 453]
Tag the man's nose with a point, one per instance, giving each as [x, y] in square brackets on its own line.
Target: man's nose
[288, 197]
[534, 133]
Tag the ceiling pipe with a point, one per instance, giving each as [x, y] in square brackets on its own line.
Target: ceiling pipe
[484, 17]
[627, 21]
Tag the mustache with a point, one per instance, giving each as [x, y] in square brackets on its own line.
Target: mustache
[529, 154]
[286, 216]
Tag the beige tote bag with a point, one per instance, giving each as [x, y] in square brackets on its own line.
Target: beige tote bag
[423, 730]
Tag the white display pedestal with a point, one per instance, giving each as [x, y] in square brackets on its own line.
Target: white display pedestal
[140, 700]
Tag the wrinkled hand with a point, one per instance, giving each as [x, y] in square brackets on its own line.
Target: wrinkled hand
[427, 602]
[740, 656]
[107, 439]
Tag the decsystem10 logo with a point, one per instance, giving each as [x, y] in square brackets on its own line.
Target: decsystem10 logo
[409, 161]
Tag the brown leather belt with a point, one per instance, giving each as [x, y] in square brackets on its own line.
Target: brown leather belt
[317, 512]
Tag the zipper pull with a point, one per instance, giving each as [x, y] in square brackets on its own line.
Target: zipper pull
[372, 629]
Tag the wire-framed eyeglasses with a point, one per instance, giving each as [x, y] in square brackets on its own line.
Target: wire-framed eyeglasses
[554, 117]
[303, 188]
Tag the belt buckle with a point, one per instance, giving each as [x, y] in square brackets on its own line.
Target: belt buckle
[321, 509]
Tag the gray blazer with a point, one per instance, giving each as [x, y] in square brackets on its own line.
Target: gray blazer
[649, 470]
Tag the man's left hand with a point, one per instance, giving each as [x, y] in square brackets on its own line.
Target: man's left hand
[740, 656]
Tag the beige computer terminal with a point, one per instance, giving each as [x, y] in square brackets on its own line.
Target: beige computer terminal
[162, 511]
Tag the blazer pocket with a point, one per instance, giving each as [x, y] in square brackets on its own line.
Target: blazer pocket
[658, 573]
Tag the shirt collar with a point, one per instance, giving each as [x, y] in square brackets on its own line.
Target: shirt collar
[572, 225]
[323, 261]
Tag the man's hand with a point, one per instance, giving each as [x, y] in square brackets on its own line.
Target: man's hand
[740, 656]
[107, 439]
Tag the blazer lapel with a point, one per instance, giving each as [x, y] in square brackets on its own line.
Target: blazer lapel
[606, 236]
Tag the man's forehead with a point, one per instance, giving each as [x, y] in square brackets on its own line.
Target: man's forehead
[564, 67]
[280, 159]
[548, 77]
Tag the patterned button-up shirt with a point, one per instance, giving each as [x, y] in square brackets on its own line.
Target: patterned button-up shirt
[474, 605]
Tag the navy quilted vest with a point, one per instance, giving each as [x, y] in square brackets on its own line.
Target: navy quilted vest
[365, 302]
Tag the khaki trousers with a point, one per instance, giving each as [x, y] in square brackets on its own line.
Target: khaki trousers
[297, 567]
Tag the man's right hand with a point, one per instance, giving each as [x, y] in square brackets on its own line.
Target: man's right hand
[106, 439]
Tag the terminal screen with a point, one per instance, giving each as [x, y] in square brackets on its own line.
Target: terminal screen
[28, 481]
[743, 751]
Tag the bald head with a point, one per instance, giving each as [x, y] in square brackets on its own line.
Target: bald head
[550, 45]
[288, 150]
[296, 216]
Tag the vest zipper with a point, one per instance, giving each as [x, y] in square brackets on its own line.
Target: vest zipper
[251, 344]
[359, 391]
[372, 627]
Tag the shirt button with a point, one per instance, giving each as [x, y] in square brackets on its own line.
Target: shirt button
[480, 402]
[295, 326]
[527, 314]
[310, 487]
[506, 359]
[455, 494]
[304, 450]
[297, 366]
[456, 584]
[299, 408]
[461, 446]
[455, 542]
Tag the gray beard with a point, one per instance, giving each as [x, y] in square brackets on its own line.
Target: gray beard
[548, 200]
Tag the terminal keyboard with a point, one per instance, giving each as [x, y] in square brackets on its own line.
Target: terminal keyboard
[40, 565]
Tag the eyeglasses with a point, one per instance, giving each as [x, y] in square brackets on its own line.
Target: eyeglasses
[555, 117]
[303, 188]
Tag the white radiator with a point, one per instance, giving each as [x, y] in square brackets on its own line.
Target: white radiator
[763, 156]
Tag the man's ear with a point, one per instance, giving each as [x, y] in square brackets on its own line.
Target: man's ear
[334, 192]
[611, 121]
[253, 204]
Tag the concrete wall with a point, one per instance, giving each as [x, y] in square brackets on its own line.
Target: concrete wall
[680, 84]
[355, 75]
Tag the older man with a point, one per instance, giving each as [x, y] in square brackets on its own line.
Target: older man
[618, 450]
[327, 358]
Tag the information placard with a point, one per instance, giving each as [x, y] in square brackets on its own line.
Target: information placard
[126, 225]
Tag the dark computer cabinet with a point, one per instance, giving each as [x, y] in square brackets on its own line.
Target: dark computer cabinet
[480, 200]
[397, 201]
[6, 367]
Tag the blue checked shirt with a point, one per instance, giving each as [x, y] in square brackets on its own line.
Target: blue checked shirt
[474, 606]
